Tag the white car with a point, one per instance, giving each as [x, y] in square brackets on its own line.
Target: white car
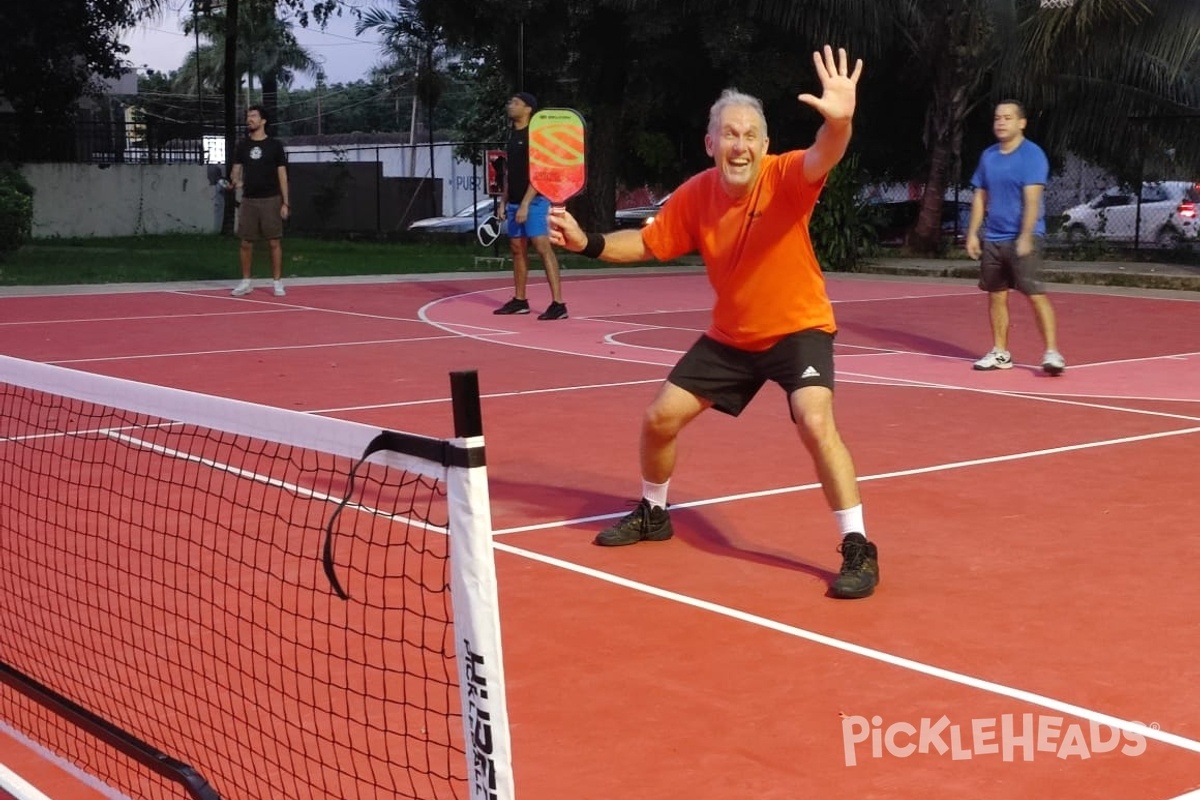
[463, 222]
[1168, 215]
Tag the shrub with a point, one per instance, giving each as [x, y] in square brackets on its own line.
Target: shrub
[16, 211]
[842, 230]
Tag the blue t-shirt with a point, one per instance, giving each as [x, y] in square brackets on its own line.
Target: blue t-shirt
[1004, 177]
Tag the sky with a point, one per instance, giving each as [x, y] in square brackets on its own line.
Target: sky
[161, 44]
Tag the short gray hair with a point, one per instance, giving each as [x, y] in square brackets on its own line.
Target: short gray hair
[729, 99]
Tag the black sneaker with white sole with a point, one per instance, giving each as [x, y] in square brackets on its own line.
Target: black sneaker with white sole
[555, 310]
[513, 306]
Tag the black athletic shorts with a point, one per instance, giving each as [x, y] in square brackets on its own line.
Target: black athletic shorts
[729, 377]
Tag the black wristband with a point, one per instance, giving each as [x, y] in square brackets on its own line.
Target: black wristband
[594, 246]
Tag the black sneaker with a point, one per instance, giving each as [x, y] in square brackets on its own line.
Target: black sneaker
[644, 523]
[513, 306]
[554, 311]
[860, 568]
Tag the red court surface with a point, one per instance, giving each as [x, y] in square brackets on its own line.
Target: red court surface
[1034, 632]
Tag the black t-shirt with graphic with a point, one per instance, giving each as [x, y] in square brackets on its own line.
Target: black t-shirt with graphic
[517, 164]
[260, 160]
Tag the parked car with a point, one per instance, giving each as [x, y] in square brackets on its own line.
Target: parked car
[639, 216]
[465, 221]
[1167, 214]
[893, 220]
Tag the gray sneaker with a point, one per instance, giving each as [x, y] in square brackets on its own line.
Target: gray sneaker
[1053, 363]
[243, 288]
[995, 359]
[645, 523]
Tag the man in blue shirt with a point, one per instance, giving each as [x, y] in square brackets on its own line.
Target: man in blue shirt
[1009, 183]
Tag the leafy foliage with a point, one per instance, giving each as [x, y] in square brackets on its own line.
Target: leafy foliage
[16, 211]
[53, 51]
[841, 227]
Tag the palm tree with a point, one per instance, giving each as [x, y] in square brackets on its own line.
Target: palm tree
[414, 48]
[266, 49]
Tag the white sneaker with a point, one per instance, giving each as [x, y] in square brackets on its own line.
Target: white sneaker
[243, 288]
[1053, 363]
[279, 290]
[995, 359]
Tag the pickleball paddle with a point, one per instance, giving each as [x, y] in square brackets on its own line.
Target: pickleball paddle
[557, 154]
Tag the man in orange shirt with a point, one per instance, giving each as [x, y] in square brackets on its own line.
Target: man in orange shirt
[748, 218]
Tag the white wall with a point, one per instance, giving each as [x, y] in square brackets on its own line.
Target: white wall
[120, 199]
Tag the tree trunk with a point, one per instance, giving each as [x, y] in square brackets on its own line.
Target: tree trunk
[230, 91]
[269, 82]
[605, 69]
[963, 61]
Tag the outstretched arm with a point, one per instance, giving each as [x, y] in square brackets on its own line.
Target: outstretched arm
[618, 247]
[839, 87]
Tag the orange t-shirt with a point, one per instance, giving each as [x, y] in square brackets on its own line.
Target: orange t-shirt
[756, 250]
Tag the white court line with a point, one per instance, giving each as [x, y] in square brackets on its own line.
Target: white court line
[144, 318]
[864, 380]
[906, 297]
[492, 396]
[17, 786]
[1138, 360]
[952, 465]
[1034, 396]
[241, 350]
[1193, 795]
[66, 766]
[1156, 734]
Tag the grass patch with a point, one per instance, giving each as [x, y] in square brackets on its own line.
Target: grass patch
[205, 257]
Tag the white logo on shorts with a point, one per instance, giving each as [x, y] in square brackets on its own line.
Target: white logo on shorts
[809, 372]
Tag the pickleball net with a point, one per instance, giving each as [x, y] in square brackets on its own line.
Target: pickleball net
[168, 622]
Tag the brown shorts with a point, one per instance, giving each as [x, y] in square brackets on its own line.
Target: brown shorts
[260, 218]
[1001, 269]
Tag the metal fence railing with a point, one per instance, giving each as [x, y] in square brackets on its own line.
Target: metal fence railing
[91, 141]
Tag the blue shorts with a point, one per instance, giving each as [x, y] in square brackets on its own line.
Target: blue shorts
[536, 224]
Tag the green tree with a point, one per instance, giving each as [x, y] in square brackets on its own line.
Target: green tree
[267, 50]
[415, 49]
[52, 55]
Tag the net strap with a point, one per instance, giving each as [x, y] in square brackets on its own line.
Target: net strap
[394, 441]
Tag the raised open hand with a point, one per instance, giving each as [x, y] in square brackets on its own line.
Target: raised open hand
[839, 85]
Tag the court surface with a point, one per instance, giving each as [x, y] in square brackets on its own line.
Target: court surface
[1034, 632]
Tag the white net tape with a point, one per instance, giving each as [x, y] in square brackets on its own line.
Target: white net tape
[1057, 3]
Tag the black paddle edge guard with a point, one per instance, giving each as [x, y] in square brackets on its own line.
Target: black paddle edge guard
[170, 768]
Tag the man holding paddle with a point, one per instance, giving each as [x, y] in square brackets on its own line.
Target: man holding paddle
[526, 214]
[772, 320]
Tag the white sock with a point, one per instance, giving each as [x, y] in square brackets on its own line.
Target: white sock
[850, 520]
[656, 493]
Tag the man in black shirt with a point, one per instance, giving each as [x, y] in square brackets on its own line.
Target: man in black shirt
[527, 214]
[260, 171]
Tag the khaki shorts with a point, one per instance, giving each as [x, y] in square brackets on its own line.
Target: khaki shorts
[260, 218]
